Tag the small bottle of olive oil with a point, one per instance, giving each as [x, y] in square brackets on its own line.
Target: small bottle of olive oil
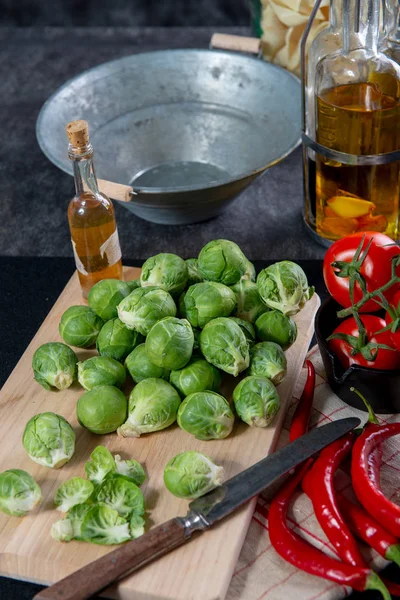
[91, 216]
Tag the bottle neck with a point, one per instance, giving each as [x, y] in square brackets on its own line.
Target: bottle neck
[84, 173]
[361, 25]
[335, 14]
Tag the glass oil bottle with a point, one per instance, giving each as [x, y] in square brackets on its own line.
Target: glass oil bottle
[91, 216]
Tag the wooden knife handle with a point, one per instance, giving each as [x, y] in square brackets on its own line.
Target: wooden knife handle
[129, 557]
[116, 191]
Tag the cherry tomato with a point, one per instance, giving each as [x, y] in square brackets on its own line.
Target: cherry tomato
[375, 269]
[394, 335]
[385, 359]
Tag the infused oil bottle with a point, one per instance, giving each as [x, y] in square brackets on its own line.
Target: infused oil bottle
[91, 216]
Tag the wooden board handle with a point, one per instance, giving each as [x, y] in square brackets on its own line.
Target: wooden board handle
[237, 43]
[116, 191]
[100, 573]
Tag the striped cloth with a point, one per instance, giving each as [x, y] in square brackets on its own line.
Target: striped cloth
[260, 572]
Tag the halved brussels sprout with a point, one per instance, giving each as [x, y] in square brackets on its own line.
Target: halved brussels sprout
[267, 359]
[130, 468]
[102, 410]
[62, 530]
[140, 366]
[166, 271]
[250, 273]
[256, 401]
[198, 375]
[153, 405]
[169, 343]
[101, 370]
[224, 345]
[134, 284]
[19, 492]
[54, 364]
[284, 286]
[274, 326]
[247, 329]
[193, 272]
[206, 415]
[80, 326]
[100, 465]
[49, 440]
[206, 301]
[249, 304]
[71, 492]
[222, 261]
[136, 525]
[191, 474]
[117, 341]
[103, 525]
[105, 296]
[144, 307]
[121, 494]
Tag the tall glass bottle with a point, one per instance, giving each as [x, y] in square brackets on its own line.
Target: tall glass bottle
[91, 216]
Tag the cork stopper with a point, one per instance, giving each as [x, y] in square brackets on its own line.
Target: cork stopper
[78, 133]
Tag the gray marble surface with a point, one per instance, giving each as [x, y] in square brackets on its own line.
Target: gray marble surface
[265, 220]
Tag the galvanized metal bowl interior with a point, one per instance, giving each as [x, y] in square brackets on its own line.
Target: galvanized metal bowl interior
[188, 129]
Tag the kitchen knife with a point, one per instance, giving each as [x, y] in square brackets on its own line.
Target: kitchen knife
[203, 513]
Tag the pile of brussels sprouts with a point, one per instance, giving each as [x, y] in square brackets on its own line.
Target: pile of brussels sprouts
[176, 331]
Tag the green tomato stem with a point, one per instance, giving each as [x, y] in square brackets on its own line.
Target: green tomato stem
[372, 418]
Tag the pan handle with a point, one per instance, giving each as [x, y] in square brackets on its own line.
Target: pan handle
[236, 43]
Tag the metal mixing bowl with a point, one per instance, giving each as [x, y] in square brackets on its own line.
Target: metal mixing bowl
[188, 129]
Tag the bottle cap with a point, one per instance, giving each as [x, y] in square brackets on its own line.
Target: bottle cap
[78, 133]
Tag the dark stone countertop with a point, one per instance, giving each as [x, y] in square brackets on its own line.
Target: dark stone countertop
[34, 194]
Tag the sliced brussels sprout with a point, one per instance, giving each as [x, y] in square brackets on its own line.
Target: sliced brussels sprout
[136, 525]
[193, 272]
[206, 415]
[134, 284]
[122, 495]
[62, 530]
[105, 296]
[117, 341]
[274, 326]
[166, 271]
[144, 307]
[101, 370]
[100, 465]
[69, 528]
[191, 474]
[284, 287]
[206, 301]
[153, 405]
[71, 492]
[140, 366]
[249, 304]
[130, 468]
[80, 326]
[169, 343]
[197, 376]
[222, 261]
[103, 525]
[225, 346]
[19, 492]
[256, 401]
[102, 410]
[54, 365]
[247, 329]
[49, 440]
[250, 273]
[267, 359]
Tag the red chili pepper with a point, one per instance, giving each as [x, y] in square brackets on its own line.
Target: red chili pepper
[301, 416]
[303, 555]
[318, 484]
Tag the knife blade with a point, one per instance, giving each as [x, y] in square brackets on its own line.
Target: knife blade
[203, 513]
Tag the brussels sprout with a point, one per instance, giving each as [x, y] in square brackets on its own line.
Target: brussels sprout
[102, 410]
[140, 366]
[193, 272]
[130, 468]
[250, 273]
[222, 261]
[19, 492]
[274, 326]
[136, 525]
[247, 329]
[49, 440]
[54, 364]
[166, 271]
[197, 376]
[117, 341]
[256, 401]
[206, 415]
[100, 465]
[69, 528]
[208, 300]
[192, 474]
[103, 525]
[62, 531]
[134, 284]
[224, 345]
[153, 405]
[105, 296]
[80, 326]
[71, 492]
[101, 370]
[267, 359]
[170, 343]
[249, 304]
[122, 495]
[284, 286]
[144, 307]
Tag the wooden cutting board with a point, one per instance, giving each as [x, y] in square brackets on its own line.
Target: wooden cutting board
[200, 570]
